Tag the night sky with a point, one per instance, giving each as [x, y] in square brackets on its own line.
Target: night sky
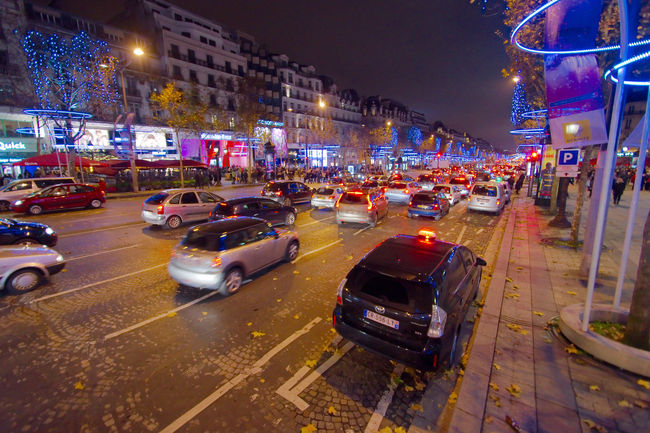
[440, 57]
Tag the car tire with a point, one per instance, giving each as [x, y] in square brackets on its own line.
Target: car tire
[4, 205]
[35, 209]
[409, 215]
[23, 281]
[292, 251]
[27, 241]
[174, 221]
[290, 219]
[437, 217]
[287, 201]
[373, 220]
[95, 204]
[231, 282]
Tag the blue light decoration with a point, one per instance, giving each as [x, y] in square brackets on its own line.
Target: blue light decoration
[515, 32]
[415, 136]
[612, 73]
[520, 105]
[394, 137]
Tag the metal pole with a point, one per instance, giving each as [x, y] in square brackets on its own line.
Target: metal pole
[640, 165]
[609, 165]
[134, 172]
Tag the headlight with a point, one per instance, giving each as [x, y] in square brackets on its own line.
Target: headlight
[18, 202]
[49, 231]
[59, 258]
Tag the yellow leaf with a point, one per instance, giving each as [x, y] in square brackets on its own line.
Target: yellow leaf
[419, 385]
[514, 390]
[296, 272]
[508, 279]
[461, 372]
[523, 332]
[309, 428]
[589, 423]
[262, 380]
[643, 383]
[548, 340]
[519, 268]
[348, 257]
[538, 313]
[333, 330]
[571, 293]
[400, 430]
[249, 324]
[417, 407]
[571, 349]
[496, 366]
[278, 300]
[496, 400]
[385, 430]
[494, 386]
[64, 270]
[78, 385]
[594, 388]
[513, 327]
[311, 363]
[331, 410]
[256, 334]
[297, 316]
[205, 313]
[408, 388]
[275, 278]
[171, 314]
[453, 397]
[593, 426]
[329, 318]
[624, 403]
[488, 419]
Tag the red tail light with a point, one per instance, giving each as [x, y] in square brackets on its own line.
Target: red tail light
[331, 197]
[278, 193]
[262, 192]
[410, 203]
[161, 209]
[435, 206]
[498, 202]
[339, 291]
[406, 191]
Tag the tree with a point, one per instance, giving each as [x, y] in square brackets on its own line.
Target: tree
[637, 330]
[68, 76]
[181, 113]
[359, 141]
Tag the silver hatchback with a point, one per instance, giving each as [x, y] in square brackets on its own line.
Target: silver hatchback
[364, 206]
[326, 196]
[24, 268]
[176, 206]
[220, 254]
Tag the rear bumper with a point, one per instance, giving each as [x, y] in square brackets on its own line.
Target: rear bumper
[361, 218]
[317, 202]
[425, 212]
[487, 207]
[426, 359]
[200, 280]
[152, 218]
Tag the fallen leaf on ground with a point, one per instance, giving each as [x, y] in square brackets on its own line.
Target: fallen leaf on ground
[496, 400]
[262, 380]
[385, 430]
[205, 313]
[488, 419]
[296, 272]
[514, 390]
[640, 403]
[331, 410]
[538, 313]
[400, 430]
[419, 385]
[594, 388]
[172, 314]
[453, 397]
[409, 388]
[297, 316]
[396, 380]
[78, 385]
[417, 407]
[513, 327]
[307, 278]
[593, 426]
[519, 268]
[496, 366]
[569, 292]
[643, 383]
[275, 278]
[256, 334]
[348, 257]
[249, 324]
[508, 279]
[309, 428]
[64, 270]
[523, 332]
[624, 403]
[512, 295]
[548, 340]
[311, 363]
[571, 349]
[494, 386]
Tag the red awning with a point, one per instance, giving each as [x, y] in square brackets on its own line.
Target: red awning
[56, 159]
[120, 164]
[187, 163]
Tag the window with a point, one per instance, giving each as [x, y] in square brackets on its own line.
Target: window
[176, 199]
[186, 34]
[252, 206]
[258, 232]
[236, 239]
[210, 61]
[193, 76]
[189, 198]
[468, 258]
[212, 43]
[191, 56]
[177, 17]
[175, 50]
[177, 71]
[455, 271]
[20, 186]
[203, 39]
[206, 197]
[290, 77]
[270, 204]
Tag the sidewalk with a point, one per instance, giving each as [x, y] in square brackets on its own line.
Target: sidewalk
[519, 366]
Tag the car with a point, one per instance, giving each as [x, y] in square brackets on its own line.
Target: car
[365, 206]
[427, 181]
[407, 298]
[345, 181]
[22, 232]
[63, 196]
[23, 268]
[452, 192]
[219, 255]
[173, 207]
[326, 196]
[20, 188]
[260, 207]
[506, 190]
[428, 204]
[487, 197]
[401, 191]
[399, 176]
[463, 183]
[381, 179]
[287, 192]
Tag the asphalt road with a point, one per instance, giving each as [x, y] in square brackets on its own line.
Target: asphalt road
[114, 345]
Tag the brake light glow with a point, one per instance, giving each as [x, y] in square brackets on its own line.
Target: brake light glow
[435, 206]
[406, 191]
[438, 321]
[331, 197]
[339, 291]
[411, 203]
[161, 209]
[278, 193]
[498, 202]
[216, 262]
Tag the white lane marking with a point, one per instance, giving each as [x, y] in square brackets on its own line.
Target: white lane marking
[286, 391]
[85, 232]
[88, 286]
[360, 231]
[480, 231]
[158, 317]
[317, 250]
[382, 406]
[316, 222]
[101, 252]
[467, 242]
[460, 235]
[223, 389]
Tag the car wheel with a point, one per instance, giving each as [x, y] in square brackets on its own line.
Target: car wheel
[409, 214]
[292, 251]
[437, 217]
[4, 205]
[287, 202]
[373, 220]
[95, 203]
[23, 281]
[232, 282]
[291, 218]
[27, 241]
[35, 209]
[174, 221]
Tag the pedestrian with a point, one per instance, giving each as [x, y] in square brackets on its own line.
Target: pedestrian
[102, 185]
[520, 182]
[618, 187]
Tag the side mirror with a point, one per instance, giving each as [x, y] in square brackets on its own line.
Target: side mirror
[481, 262]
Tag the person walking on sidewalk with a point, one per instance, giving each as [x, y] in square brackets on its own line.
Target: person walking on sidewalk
[520, 182]
[617, 189]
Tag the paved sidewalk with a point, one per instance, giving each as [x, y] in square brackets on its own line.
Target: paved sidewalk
[519, 367]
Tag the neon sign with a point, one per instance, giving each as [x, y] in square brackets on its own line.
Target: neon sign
[12, 145]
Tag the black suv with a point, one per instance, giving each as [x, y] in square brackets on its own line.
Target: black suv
[287, 192]
[259, 207]
[407, 298]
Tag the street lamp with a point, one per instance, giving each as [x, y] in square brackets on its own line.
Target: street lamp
[516, 79]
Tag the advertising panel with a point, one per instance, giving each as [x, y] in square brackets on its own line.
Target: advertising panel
[150, 140]
[94, 139]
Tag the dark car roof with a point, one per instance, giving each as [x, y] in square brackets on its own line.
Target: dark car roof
[239, 200]
[228, 224]
[407, 257]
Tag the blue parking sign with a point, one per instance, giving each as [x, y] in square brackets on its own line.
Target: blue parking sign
[568, 157]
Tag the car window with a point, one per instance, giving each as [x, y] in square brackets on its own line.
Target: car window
[258, 232]
[77, 189]
[455, 271]
[468, 258]
[20, 186]
[207, 197]
[58, 191]
[293, 187]
[270, 204]
[354, 198]
[325, 191]
[49, 182]
[398, 185]
[202, 240]
[442, 197]
[485, 190]
[236, 239]
[189, 198]
[253, 205]
[272, 186]
[421, 197]
[157, 199]
[176, 199]
[444, 189]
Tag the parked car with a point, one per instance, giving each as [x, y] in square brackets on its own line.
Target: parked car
[175, 206]
[365, 206]
[428, 204]
[326, 196]
[401, 191]
[463, 183]
[64, 196]
[220, 254]
[22, 232]
[23, 268]
[487, 197]
[20, 188]
[260, 207]
[452, 192]
[287, 192]
[427, 181]
[407, 298]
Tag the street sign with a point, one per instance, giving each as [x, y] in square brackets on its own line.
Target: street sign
[567, 171]
[568, 157]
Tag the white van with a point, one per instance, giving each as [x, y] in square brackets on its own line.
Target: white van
[487, 197]
[20, 188]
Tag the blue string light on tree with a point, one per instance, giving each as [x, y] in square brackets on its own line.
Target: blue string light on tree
[415, 136]
[520, 105]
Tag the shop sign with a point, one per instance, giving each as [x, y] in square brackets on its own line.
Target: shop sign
[150, 140]
[12, 145]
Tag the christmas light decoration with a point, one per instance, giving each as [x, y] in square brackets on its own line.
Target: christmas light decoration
[415, 136]
[519, 104]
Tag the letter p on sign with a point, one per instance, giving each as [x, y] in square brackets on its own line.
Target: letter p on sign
[569, 157]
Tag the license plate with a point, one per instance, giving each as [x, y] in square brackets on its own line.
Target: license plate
[423, 206]
[147, 211]
[381, 319]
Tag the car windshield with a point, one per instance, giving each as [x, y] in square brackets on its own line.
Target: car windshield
[424, 198]
[444, 189]
[485, 190]
[208, 241]
[325, 191]
[397, 185]
[157, 199]
[354, 198]
[384, 289]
